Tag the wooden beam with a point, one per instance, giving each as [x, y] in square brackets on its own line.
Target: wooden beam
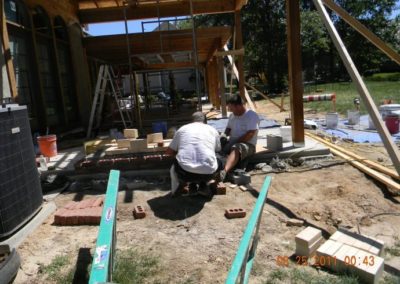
[295, 71]
[235, 71]
[364, 31]
[221, 76]
[214, 83]
[7, 55]
[230, 52]
[158, 66]
[361, 87]
[239, 45]
[265, 97]
[369, 163]
[215, 45]
[162, 10]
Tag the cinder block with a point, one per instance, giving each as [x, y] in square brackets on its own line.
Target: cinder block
[138, 145]
[369, 267]
[124, 143]
[336, 236]
[138, 212]
[235, 213]
[303, 250]
[366, 243]
[344, 258]
[326, 253]
[131, 133]
[308, 236]
[155, 137]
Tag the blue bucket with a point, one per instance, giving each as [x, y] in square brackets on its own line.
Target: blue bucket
[160, 126]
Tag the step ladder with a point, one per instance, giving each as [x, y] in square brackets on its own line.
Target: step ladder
[106, 78]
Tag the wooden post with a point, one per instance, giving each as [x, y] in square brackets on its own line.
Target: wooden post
[387, 140]
[239, 45]
[221, 75]
[295, 72]
[214, 82]
[7, 54]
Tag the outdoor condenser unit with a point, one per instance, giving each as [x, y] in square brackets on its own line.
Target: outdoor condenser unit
[20, 190]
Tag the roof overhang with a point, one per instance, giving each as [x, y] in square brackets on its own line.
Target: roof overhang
[97, 11]
[159, 50]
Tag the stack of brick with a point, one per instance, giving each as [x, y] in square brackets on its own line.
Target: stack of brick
[358, 254]
[86, 212]
[307, 242]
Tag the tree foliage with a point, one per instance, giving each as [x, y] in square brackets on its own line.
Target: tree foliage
[264, 37]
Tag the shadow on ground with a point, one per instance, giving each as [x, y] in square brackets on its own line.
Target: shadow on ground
[177, 208]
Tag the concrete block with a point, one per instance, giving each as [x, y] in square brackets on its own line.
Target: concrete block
[336, 236]
[344, 258]
[369, 267]
[305, 250]
[155, 137]
[366, 243]
[308, 236]
[114, 150]
[235, 213]
[124, 143]
[138, 145]
[131, 133]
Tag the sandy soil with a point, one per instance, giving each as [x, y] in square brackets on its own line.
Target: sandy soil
[193, 240]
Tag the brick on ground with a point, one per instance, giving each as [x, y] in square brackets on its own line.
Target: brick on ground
[307, 241]
[86, 212]
[326, 252]
[351, 259]
[362, 242]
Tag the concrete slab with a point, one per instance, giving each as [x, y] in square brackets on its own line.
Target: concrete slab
[311, 148]
[15, 240]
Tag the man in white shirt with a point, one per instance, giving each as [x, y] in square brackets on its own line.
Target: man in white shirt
[194, 146]
[242, 130]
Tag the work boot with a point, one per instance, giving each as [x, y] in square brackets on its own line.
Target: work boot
[204, 190]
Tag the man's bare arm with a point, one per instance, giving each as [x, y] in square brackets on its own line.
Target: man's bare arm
[170, 152]
[247, 136]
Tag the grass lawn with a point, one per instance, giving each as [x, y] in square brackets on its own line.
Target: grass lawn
[346, 92]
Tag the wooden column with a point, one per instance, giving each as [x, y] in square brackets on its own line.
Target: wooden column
[221, 89]
[213, 68]
[295, 72]
[7, 54]
[239, 45]
[208, 85]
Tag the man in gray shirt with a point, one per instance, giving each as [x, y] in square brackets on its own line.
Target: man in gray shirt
[242, 130]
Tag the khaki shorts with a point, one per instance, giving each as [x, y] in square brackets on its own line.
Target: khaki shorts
[245, 149]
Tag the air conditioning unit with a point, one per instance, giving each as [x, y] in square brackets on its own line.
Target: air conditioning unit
[20, 191]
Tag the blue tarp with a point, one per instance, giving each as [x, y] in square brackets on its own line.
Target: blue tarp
[358, 133]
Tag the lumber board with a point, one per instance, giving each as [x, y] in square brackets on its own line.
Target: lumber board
[372, 164]
[265, 96]
[367, 170]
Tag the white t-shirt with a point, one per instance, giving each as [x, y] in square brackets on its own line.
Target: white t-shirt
[196, 144]
[239, 125]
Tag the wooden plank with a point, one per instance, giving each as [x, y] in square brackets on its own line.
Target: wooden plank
[162, 10]
[265, 97]
[7, 55]
[369, 163]
[295, 71]
[230, 52]
[361, 87]
[239, 45]
[235, 71]
[221, 76]
[363, 30]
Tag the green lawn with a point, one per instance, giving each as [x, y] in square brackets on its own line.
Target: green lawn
[346, 92]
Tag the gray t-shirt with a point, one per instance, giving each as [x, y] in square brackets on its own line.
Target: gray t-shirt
[239, 125]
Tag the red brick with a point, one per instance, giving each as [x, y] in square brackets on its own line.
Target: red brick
[59, 218]
[138, 212]
[86, 203]
[235, 213]
[71, 205]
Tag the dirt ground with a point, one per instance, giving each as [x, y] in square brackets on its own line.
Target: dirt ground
[193, 240]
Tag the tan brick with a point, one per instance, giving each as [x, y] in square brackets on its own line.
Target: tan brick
[369, 267]
[327, 252]
[138, 145]
[344, 257]
[124, 143]
[308, 236]
[305, 250]
[155, 137]
[131, 133]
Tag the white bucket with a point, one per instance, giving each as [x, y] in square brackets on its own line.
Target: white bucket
[388, 109]
[353, 117]
[332, 120]
[286, 133]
